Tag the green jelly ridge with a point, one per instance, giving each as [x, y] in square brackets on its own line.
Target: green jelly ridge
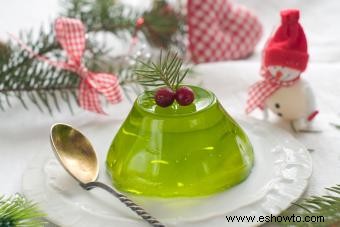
[179, 151]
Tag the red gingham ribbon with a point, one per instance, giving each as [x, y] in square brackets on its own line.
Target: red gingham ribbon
[260, 91]
[70, 34]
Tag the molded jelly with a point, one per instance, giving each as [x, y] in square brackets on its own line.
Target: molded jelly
[178, 151]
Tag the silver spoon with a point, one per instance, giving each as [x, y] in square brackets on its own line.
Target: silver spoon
[76, 154]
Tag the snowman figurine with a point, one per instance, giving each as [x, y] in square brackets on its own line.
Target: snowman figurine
[282, 90]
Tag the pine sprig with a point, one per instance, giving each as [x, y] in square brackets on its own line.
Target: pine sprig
[161, 23]
[24, 78]
[168, 72]
[16, 211]
[327, 206]
[28, 80]
[102, 15]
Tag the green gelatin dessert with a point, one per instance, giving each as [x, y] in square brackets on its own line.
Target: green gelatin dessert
[178, 151]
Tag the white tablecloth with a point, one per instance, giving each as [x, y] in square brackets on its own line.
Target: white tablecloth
[24, 133]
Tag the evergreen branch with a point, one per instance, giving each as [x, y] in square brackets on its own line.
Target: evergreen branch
[161, 23]
[16, 211]
[26, 79]
[327, 206]
[102, 15]
[168, 72]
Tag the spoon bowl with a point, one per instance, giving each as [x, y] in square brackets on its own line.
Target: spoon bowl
[75, 153]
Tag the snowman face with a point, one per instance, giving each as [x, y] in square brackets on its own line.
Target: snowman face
[292, 102]
[283, 73]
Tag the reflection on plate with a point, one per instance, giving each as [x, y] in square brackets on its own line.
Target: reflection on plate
[280, 175]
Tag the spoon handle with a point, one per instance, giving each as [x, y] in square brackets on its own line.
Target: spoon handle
[128, 202]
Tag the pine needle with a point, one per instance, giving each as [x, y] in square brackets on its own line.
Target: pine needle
[168, 72]
[16, 211]
[30, 81]
[327, 206]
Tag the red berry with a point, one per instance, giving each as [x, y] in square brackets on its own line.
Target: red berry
[184, 96]
[164, 97]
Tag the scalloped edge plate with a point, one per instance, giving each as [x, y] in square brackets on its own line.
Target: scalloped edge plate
[279, 177]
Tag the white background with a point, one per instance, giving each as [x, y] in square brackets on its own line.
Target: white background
[24, 133]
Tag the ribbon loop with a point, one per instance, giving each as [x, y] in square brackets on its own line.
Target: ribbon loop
[70, 33]
[71, 36]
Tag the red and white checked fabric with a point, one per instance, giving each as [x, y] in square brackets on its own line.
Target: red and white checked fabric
[260, 91]
[221, 30]
[70, 33]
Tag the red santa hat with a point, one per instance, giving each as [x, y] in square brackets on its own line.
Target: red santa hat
[288, 46]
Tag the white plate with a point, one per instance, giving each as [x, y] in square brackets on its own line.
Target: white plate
[279, 177]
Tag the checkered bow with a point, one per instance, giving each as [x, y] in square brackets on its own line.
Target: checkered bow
[70, 34]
